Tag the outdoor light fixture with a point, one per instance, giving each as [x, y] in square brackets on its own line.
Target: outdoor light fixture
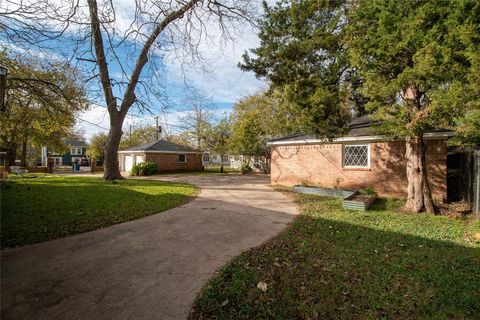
[3, 87]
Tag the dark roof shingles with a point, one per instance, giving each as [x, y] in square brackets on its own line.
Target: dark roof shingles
[161, 145]
[359, 127]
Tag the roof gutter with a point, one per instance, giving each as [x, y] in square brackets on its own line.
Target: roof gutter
[426, 136]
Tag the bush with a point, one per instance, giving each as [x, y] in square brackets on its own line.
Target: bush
[369, 191]
[246, 169]
[144, 169]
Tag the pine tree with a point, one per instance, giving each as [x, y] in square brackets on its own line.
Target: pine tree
[302, 55]
[419, 61]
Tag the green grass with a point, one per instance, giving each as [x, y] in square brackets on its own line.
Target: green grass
[331, 263]
[38, 207]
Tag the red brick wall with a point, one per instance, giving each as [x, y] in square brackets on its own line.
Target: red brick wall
[169, 161]
[321, 164]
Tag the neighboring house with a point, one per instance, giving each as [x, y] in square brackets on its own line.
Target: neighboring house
[168, 155]
[77, 150]
[215, 159]
[257, 163]
[356, 161]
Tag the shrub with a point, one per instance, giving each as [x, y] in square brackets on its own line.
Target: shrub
[369, 191]
[144, 169]
[246, 169]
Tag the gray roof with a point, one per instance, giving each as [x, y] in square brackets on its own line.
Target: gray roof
[76, 143]
[360, 126]
[161, 145]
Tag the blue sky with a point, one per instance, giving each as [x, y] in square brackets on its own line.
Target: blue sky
[220, 80]
[223, 85]
[217, 77]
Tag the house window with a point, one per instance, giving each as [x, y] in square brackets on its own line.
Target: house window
[356, 156]
[214, 157]
[256, 162]
[206, 157]
[224, 158]
[182, 158]
[76, 151]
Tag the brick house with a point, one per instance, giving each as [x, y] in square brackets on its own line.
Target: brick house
[169, 156]
[356, 161]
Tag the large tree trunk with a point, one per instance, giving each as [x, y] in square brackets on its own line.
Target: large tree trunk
[419, 194]
[12, 154]
[111, 168]
[23, 159]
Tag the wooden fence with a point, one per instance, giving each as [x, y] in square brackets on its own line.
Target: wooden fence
[476, 184]
[463, 178]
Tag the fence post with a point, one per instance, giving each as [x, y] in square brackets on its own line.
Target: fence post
[50, 162]
[476, 183]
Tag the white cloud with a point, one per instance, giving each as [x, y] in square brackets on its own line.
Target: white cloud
[223, 81]
[96, 120]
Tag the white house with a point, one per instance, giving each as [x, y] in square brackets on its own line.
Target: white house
[215, 159]
[259, 164]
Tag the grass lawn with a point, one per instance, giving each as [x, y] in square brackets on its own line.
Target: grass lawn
[331, 263]
[36, 208]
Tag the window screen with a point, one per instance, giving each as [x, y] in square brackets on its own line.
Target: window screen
[356, 156]
[182, 158]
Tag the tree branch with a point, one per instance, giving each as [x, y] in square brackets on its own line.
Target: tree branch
[100, 57]
[129, 96]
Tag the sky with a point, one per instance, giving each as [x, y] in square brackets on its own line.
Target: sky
[216, 76]
[222, 83]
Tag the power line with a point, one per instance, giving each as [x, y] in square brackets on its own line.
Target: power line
[132, 117]
[93, 124]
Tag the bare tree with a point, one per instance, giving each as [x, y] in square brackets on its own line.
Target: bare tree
[98, 35]
[198, 116]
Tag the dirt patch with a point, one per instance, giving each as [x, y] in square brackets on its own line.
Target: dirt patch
[455, 209]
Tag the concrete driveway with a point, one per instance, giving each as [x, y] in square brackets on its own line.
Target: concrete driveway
[151, 268]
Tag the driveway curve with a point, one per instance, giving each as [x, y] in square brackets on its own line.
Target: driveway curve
[151, 268]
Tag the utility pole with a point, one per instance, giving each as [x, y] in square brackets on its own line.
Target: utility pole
[130, 136]
[3, 88]
[156, 128]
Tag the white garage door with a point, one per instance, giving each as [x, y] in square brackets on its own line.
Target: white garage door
[128, 163]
